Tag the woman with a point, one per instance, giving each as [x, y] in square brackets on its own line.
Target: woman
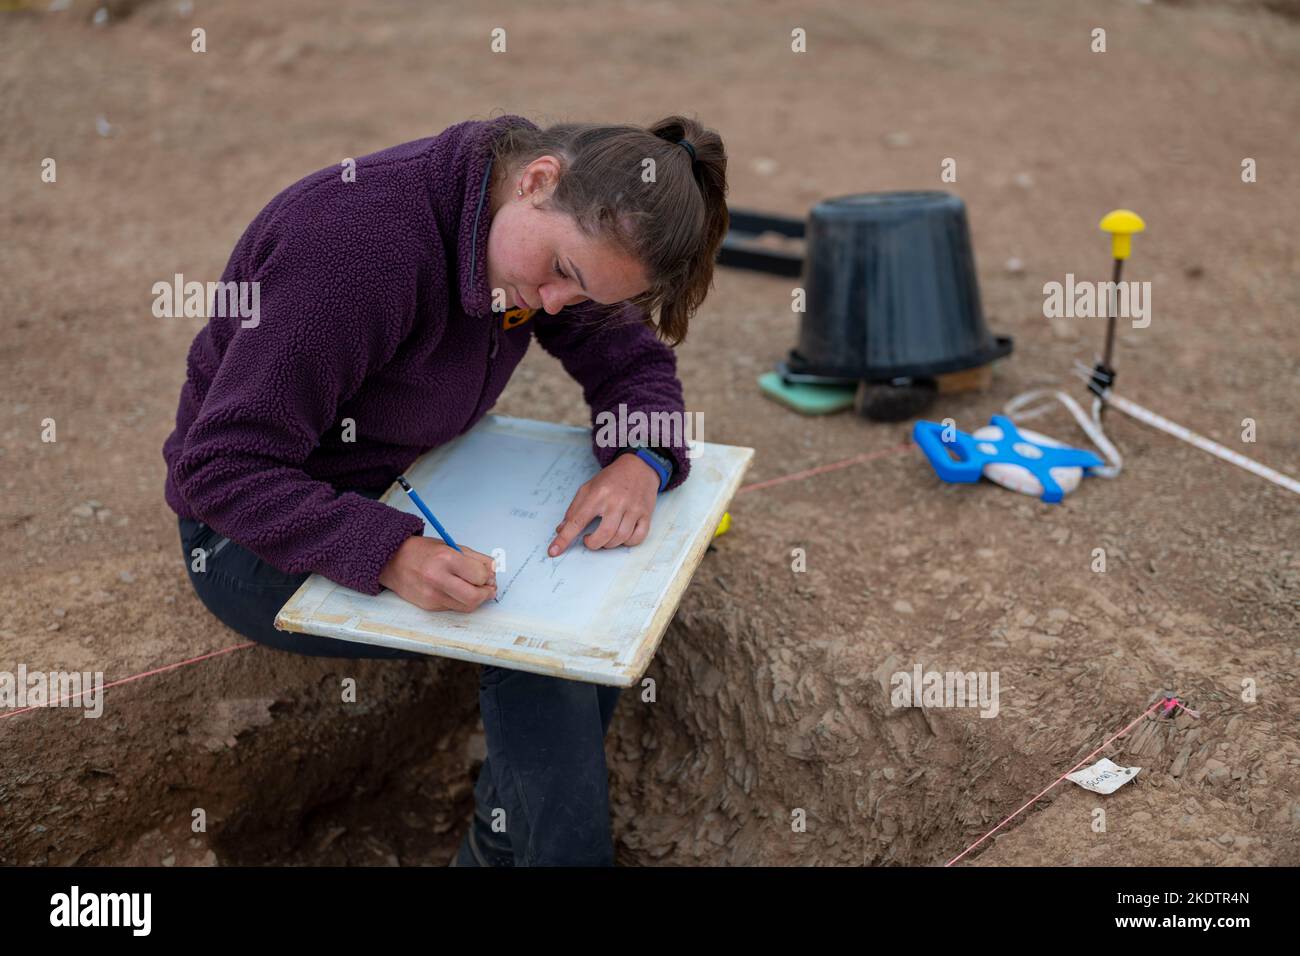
[396, 295]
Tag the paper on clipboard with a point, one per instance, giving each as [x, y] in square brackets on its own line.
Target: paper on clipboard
[501, 489]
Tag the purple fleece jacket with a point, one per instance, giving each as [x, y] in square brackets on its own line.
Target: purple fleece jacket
[374, 306]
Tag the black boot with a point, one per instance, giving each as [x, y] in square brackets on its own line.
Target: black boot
[481, 847]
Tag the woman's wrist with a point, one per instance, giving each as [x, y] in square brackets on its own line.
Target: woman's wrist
[660, 464]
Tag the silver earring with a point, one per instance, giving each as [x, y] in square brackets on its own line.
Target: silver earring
[519, 191]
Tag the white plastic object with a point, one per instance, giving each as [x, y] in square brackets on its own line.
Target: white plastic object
[1021, 479]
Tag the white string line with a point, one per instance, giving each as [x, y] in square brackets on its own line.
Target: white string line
[1094, 430]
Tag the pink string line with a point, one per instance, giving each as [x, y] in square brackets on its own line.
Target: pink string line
[820, 469]
[1169, 703]
[127, 680]
[856, 459]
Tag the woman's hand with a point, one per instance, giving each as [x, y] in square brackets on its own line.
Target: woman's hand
[436, 577]
[622, 495]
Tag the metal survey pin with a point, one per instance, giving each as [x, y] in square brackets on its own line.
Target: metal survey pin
[1121, 224]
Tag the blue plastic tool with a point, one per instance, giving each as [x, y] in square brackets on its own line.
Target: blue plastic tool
[1012, 448]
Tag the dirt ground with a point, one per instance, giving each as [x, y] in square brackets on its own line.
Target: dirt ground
[773, 685]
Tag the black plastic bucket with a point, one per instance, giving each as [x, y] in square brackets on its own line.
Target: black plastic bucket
[891, 291]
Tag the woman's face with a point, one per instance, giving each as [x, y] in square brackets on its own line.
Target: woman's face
[542, 260]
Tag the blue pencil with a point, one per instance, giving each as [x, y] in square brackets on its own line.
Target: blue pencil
[406, 486]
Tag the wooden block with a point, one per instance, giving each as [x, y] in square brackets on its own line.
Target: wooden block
[967, 380]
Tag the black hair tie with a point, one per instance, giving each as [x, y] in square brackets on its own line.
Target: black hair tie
[689, 148]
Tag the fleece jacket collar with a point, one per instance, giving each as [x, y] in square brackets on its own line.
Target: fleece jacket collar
[472, 160]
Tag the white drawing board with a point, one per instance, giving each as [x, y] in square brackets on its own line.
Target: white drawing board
[586, 615]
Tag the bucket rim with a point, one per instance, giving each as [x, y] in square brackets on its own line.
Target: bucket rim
[917, 197]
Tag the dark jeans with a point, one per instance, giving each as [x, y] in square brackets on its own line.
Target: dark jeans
[545, 764]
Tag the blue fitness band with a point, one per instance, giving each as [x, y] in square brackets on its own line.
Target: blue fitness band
[663, 466]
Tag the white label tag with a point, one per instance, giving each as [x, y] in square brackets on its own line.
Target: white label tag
[1103, 776]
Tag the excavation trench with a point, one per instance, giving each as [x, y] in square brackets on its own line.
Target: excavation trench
[742, 742]
[758, 747]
